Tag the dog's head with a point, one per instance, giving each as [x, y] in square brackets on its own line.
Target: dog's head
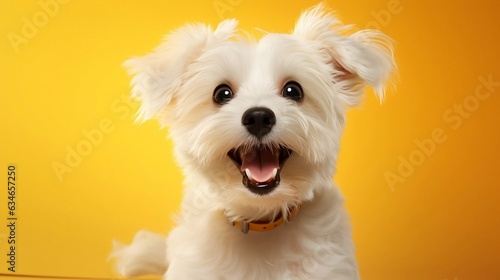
[260, 121]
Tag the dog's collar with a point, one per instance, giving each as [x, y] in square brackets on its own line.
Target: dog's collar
[266, 225]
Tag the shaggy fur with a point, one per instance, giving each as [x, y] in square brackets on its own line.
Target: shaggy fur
[176, 83]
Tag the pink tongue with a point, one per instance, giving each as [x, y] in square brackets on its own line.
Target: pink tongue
[261, 164]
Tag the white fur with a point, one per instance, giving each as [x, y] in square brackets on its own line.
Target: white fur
[175, 84]
[147, 247]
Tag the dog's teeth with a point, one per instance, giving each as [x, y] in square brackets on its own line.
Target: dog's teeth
[249, 174]
[275, 171]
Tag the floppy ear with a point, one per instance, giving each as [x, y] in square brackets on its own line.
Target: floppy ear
[359, 59]
[158, 75]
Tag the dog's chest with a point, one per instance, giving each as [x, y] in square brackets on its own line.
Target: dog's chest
[266, 255]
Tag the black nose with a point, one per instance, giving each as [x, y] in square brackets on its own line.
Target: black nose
[259, 121]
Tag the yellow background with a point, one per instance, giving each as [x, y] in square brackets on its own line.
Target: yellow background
[441, 220]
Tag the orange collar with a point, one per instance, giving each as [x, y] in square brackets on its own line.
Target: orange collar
[266, 225]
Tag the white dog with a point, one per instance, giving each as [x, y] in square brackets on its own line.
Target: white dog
[256, 126]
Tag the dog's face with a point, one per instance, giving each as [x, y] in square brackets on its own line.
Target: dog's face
[259, 121]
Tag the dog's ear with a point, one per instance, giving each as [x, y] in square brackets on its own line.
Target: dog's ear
[359, 59]
[158, 75]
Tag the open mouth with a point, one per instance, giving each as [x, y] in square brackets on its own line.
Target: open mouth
[260, 166]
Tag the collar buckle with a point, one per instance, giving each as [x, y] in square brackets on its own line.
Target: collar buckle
[245, 227]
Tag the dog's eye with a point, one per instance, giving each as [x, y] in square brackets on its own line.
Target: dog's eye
[292, 90]
[222, 94]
